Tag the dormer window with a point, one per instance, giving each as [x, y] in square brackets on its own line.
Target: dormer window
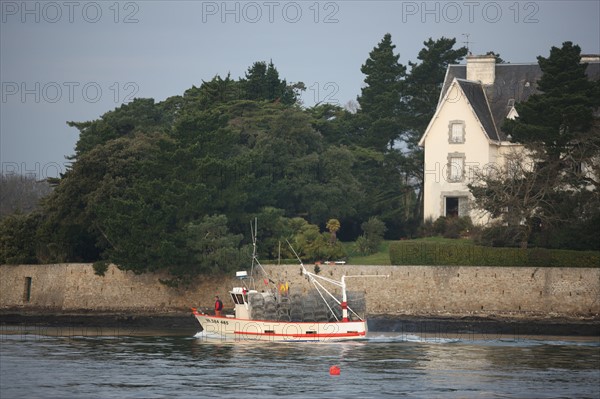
[456, 132]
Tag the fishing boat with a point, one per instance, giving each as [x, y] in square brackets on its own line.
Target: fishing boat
[280, 314]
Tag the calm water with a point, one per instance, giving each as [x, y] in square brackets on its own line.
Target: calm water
[65, 363]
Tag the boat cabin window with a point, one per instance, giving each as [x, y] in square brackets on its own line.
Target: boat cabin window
[237, 298]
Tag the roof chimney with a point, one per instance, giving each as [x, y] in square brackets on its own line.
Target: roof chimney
[590, 58]
[481, 68]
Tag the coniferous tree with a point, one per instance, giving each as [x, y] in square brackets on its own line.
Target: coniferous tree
[255, 82]
[553, 121]
[383, 114]
[262, 83]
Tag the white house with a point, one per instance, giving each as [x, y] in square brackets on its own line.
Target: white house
[466, 129]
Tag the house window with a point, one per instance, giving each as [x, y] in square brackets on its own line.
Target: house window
[456, 132]
[452, 206]
[456, 166]
[455, 206]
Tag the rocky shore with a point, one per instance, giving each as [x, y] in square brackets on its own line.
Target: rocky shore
[440, 326]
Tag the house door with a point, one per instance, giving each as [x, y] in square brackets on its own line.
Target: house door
[451, 206]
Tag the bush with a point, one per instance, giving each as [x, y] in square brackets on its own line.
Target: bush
[439, 226]
[373, 229]
[426, 229]
[100, 267]
[425, 253]
[447, 227]
[573, 235]
[498, 236]
[362, 246]
[313, 245]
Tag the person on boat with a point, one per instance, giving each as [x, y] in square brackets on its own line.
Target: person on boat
[218, 306]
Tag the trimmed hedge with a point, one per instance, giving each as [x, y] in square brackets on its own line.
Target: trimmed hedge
[429, 253]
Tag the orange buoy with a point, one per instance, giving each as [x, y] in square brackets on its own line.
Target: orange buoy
[334, 370]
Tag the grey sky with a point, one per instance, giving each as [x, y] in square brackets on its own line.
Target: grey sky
[75, 60]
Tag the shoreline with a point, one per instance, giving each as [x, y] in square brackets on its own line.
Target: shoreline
[442, 326]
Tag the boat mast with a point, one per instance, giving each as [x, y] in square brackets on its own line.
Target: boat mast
[344, 300]
[253, 234]
[255, 262]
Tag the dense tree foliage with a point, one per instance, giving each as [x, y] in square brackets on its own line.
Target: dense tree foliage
[554, 121]
[18, 238]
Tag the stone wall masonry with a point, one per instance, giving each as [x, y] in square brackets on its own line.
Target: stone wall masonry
[409, 290]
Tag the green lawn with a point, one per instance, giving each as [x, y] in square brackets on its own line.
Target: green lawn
[382, 257]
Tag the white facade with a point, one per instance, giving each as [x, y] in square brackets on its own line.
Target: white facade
[449, 158]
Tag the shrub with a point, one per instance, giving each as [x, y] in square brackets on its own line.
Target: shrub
[457, 227]
[439, 226]
[498, 236]
[426, 229]
[362, 245]
[100, 267]
[426, 253]
[448, 227]
[373, 229]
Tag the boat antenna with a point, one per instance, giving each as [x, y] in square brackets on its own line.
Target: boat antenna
[255, 262]
[253, 233]
[296, 255]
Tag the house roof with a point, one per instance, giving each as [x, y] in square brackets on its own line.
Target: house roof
[474, 92]
[513, 83]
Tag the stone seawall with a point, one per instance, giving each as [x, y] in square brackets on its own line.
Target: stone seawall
[514, 292]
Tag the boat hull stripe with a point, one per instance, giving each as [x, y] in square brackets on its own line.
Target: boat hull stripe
[328, 335]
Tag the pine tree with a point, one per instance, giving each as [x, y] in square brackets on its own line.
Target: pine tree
[552, 122]
[262, 83]
[382, 111]
[256, 82]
